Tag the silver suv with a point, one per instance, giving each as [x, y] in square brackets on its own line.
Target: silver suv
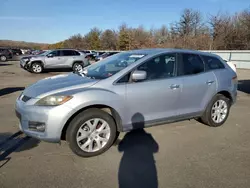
[54, 59]
[126, 91]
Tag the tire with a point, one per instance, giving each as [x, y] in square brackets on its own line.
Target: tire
[78, 128]
[3, 58]
[77, 67]
[36, 68]
[207, 117]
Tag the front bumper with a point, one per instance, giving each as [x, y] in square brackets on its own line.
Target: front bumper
[54, 119]
[24, 64]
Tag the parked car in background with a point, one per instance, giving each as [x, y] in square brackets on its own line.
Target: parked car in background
[100, 53]
[89, 52]
[231, 64]
[129, 90]
[36, 52]
[54, 59]
[90, 57]
[104, 55]
[5, 54]
[16, 51]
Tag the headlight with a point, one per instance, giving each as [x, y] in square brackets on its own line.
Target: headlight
[26, 59]
[53, 100]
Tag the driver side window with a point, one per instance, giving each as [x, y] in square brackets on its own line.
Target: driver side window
[157, 68]
[55, 53]
[160, 67]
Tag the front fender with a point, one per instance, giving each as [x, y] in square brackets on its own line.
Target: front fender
[93, 97]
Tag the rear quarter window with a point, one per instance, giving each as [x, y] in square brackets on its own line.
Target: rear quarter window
[212, 63]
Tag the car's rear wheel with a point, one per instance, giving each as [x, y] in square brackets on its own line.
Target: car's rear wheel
[3, 58]
[91, 133]
[36, 68]
[217, 111]
[77, 67]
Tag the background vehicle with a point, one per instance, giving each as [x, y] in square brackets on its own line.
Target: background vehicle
[5, 54]
[126, 91]
[16, 51]
[231, 64]
[90, 57]
[104, 55]
[89, 52]
[54, 59]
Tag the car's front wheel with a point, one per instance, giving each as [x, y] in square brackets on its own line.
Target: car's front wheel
[217, 111]
[91, 133]
[3, 58]
[36, 68]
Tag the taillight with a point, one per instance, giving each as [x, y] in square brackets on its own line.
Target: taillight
[235, 79]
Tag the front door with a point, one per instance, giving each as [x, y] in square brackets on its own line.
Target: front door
[54, 60]
[154, 99]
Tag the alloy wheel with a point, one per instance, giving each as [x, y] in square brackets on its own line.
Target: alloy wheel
[93, 135]
[3, 58]
[219, 111]
[78, 67]
[37, 68]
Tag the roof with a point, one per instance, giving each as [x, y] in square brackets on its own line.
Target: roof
[152, 51]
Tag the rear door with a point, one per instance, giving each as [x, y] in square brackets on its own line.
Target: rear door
[199, 86]
[69, 56]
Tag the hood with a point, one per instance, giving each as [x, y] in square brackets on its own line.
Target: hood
[31, 56]
[56, 84]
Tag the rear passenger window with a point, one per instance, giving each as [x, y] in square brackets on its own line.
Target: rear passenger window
[68, 53]
[192, 64]
[212, 63]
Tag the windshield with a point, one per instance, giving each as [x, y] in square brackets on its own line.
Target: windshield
[112, 65]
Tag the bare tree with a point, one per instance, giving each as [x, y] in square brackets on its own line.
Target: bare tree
[109, 40]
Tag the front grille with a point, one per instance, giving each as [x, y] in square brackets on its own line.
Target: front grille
[25, 98]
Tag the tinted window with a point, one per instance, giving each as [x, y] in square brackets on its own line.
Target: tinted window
[212, 63]
[160, 67]
[55, 53]
[191, 64]
[68, 53]
[76, 53]
[124, 79]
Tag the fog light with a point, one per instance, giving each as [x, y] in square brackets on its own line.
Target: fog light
[37, 126]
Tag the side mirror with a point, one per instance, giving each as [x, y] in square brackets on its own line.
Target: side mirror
[50, 55]
[139, 75]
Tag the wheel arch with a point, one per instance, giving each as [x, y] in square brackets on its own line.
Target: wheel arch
[106, 108]
[37, 61]
[227, 94]
[76, 61]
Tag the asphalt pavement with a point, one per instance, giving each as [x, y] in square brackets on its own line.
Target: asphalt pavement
[178, 155]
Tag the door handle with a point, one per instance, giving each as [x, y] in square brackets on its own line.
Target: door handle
[174, 86]
[209, 82]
